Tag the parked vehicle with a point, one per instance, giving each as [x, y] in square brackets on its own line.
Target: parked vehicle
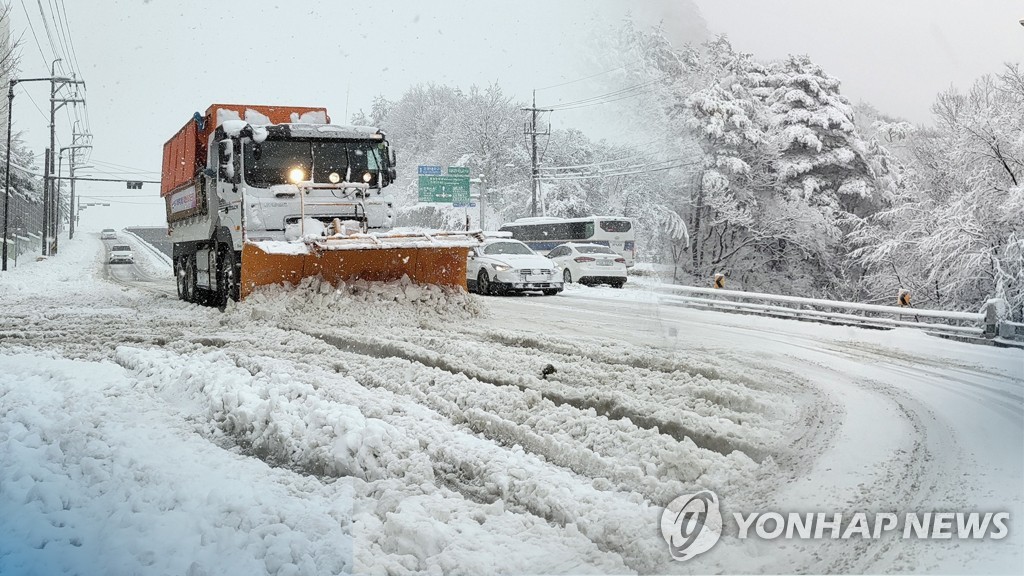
[544, 234]
[589, 264]
[108, 234]
[259, 195]
[502, 265]
[121, 253]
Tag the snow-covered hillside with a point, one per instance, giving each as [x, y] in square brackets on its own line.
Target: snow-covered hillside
[398, 429]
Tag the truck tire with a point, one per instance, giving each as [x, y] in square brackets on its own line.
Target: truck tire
[179, 279]
[191, 288]
[227, 277]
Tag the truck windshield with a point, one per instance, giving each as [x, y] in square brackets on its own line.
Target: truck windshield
[270, 162]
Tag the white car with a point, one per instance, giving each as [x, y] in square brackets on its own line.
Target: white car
[108, 234]
[589, 264]
[502, 265]
[121, 253]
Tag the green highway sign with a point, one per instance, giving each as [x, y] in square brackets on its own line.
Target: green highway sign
[447, 189]
[458, 171]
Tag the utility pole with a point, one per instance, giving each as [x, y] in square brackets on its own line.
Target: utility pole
[74, 148]
[73, 216]
[531, 130]
[48, 195]
[7, 176]
[46, 205]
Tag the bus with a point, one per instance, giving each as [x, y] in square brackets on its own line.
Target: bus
[544, 233]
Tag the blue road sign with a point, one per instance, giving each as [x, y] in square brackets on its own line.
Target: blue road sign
[429, 170]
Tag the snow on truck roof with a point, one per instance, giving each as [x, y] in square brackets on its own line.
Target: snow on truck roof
[260, 131]
[302, 122]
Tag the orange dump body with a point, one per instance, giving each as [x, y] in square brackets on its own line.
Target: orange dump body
[185, 152]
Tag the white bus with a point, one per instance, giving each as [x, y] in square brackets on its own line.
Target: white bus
[543, 234]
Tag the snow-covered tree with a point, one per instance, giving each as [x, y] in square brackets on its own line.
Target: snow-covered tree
[955, 235]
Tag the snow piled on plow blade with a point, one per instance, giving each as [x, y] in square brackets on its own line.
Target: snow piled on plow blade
[437, 259]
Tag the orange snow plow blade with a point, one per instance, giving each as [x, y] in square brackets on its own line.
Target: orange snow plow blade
[438, 259]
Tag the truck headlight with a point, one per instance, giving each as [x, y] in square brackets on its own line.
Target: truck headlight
[297, 175]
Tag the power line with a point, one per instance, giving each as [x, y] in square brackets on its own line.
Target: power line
[101, 170]
[33, 101]
[628, 92]
[653, 166]
[60, 33]
[594, 164]
[46, 28]
[34, 35]
[119, 196]
[74, 56]
[589, 77]
[608, 175]
[123, 202]
[130, 168]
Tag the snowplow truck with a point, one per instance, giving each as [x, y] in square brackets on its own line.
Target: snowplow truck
[259, 195]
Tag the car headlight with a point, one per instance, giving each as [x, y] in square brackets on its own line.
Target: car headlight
[501, 268]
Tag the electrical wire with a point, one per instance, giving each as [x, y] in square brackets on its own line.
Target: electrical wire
[117, 196]
[34, 35]
[63, 58]
[628, 92]
[60, 33]
[606, 162]
[124, 202]
[74, 56]
[49, 36]
[608, 175]
[131, 169]
[589, 77]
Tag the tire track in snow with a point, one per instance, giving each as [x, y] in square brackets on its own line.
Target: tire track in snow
[480, 469]
[610, 404]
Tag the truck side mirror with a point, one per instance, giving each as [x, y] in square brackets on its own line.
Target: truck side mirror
[226, 157]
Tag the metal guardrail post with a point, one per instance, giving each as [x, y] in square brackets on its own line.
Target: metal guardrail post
[991, 319]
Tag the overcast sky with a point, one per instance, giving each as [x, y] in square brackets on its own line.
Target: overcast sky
[150, 64]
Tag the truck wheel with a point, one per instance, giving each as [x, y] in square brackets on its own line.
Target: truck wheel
[191, 290]
[179, 279]
[227, 277]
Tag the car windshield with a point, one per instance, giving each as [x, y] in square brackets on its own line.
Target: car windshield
[270, 162]
[594, 250]
[121, 248]
[507, 248]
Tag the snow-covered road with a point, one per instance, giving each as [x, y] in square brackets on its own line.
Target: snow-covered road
[392, 429]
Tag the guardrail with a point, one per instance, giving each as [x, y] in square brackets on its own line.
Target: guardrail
[971, 325]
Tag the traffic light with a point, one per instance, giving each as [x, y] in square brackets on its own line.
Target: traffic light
[133, 185]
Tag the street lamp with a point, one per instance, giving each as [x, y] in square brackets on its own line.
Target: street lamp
[7, 171]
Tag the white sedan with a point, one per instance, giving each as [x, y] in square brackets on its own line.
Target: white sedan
[502, 265]
[590, 264]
